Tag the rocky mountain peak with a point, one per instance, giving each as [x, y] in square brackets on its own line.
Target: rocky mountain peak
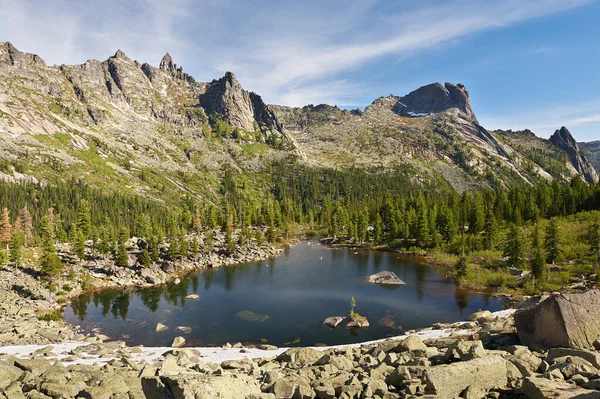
[435, 98]
[167, 64]
[564, 140]
[120, 55]
[10, 55]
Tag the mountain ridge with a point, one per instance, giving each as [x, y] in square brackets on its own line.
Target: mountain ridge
[118, 121]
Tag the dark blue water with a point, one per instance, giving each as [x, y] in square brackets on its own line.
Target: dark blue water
[297, 290]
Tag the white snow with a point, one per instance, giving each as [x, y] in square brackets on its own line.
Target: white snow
[404, 105]
[420, 114]
[212, 354]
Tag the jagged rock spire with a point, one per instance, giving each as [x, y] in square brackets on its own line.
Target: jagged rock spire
[167, 63]
[563, 139]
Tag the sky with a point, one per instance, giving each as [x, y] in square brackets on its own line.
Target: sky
[526, 63]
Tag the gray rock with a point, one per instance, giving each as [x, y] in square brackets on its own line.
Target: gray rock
[200, 386]
[541, 388]
[562, 320]
[590, 356]
[8, 374]
[333, 321]
[449, 381]
[178, 342]
[385, 278]
[357, 321]
[300, 357]
[412, 344]
[161, 327]
[465, 350]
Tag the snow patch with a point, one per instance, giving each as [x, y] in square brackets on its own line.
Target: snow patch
[420, 114]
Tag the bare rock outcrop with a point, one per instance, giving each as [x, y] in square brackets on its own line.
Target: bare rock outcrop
[435, 98]
[563, 139]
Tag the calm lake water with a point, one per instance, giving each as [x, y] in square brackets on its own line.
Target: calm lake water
[297, 291]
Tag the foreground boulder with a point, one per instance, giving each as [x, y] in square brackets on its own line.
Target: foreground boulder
[483, 374]
[385, 278]
[541, 388]
[561, 320]
[200, 386]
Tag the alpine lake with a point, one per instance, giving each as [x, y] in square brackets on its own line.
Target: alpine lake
[282, 301]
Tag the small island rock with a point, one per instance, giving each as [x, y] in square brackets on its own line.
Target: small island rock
[178, 342]
[161, 327]
[385, 277]
[357, 321]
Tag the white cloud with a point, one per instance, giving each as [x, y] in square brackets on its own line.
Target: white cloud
[289, 52]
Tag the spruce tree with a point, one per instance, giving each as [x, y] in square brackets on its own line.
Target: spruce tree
[173, 252]
[27, 225]
[50, 263]
[551, 241]
[229, 243]
[461, 268]
[489, 229]
[17, 240]
[538, 258]
[271, 235]
[84, 219]
[79, 244]
[194, 249]
[145, 258]
[183, 246]
[121, 256]
[513, 249]
[209, 243]
[153, 249]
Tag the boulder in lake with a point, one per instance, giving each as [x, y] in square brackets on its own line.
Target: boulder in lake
[178, 342]
[357, 321]
[184, 329]
[193, 297]
[251, 316]
[161, 327]
[333, 321]
[385, 278]
[561, 320]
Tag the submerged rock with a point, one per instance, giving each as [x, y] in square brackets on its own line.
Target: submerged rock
[385, 278]
[192, 297]
[333, 321]
[184, 329]
[251, 316]
[161, 327]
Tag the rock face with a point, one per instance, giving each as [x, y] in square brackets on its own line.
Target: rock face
[563, 139]
[385, 278]
[238, 107]
[435, 98]
[592, 153]
[561, 320]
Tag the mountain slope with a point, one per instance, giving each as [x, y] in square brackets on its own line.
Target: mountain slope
[592, 152]
[122, 125]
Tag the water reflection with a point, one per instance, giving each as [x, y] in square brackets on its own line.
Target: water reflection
[282, 300]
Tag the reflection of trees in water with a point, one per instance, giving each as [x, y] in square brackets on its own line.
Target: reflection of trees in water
[462, 298]
[79, 306]
[195, 279]
[120, 305]
[377, 258]
[106, 298]
[150, 297]
[229, 277]
[486, 298]
[176, 293]
[208, 277]
[420, 274]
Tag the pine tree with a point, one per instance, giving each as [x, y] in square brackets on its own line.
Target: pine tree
[84, 219]
[378, 228]
[229, 243]
[194, 249]
[5, 228]
[538, 258]
[50, 263]
[79, 244]
[173, 252]
[513, 250]
[145, 258]
[121, 256]
[551, 241]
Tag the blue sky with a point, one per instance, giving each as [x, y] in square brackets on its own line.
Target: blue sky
[526, 63]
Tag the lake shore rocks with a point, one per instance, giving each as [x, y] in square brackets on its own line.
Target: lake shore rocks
[456, 364]
[385, 278]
